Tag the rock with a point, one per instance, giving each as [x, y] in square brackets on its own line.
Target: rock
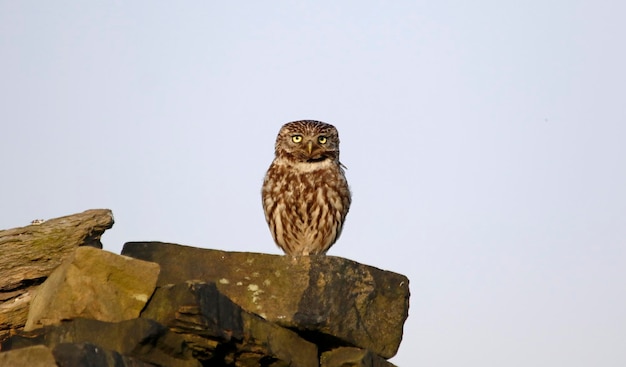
[266, 343]
[331, 301]
[95, 284]
[140, 338]
[29, 254]
[14, 312]
[352, 357]
[37, 356]
[221, 333]
[87, 354]
[187, 307]
[204, 317]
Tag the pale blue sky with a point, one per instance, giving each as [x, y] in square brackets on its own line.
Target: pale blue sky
[485, 146]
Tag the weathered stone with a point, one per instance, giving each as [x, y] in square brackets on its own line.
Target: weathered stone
[205, 318]
[88, 354]
[94, 284]
[142, 339]
[29, 254]
[221, 333]
[352, 357]
[36, 356]
[267, 344]
[330, 300]
[14, 312]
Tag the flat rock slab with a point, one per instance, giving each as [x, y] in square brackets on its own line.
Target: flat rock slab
[32, 252]
[68, 355]
[91, 355]
[329, 299]
[352, 357]
[141, 339]
[36, 356]
[29, 254]
[95, 284]
[265, 341]
[197, 311]
[221, 333]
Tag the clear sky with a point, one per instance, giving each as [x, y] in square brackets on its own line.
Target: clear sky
[485, 143]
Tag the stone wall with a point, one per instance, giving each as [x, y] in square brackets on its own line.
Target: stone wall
[66, 302]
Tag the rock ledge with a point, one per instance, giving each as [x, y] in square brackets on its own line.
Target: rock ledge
[162, 304]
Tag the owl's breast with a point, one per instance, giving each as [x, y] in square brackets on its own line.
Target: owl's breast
[306, 205]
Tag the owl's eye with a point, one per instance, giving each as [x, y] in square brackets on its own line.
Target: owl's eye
[296, 138]
[322, 139]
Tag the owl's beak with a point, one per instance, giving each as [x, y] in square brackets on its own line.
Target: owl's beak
[309, 147]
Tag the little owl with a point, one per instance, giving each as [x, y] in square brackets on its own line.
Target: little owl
[305, 192]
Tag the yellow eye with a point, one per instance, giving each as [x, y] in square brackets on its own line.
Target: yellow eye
[296, 138]
[322, 139]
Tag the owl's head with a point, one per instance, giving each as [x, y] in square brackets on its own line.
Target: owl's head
[308, 141]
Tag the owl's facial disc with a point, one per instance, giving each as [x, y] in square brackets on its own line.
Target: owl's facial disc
[310, 147]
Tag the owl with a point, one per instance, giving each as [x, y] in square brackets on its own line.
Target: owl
[305, 192]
